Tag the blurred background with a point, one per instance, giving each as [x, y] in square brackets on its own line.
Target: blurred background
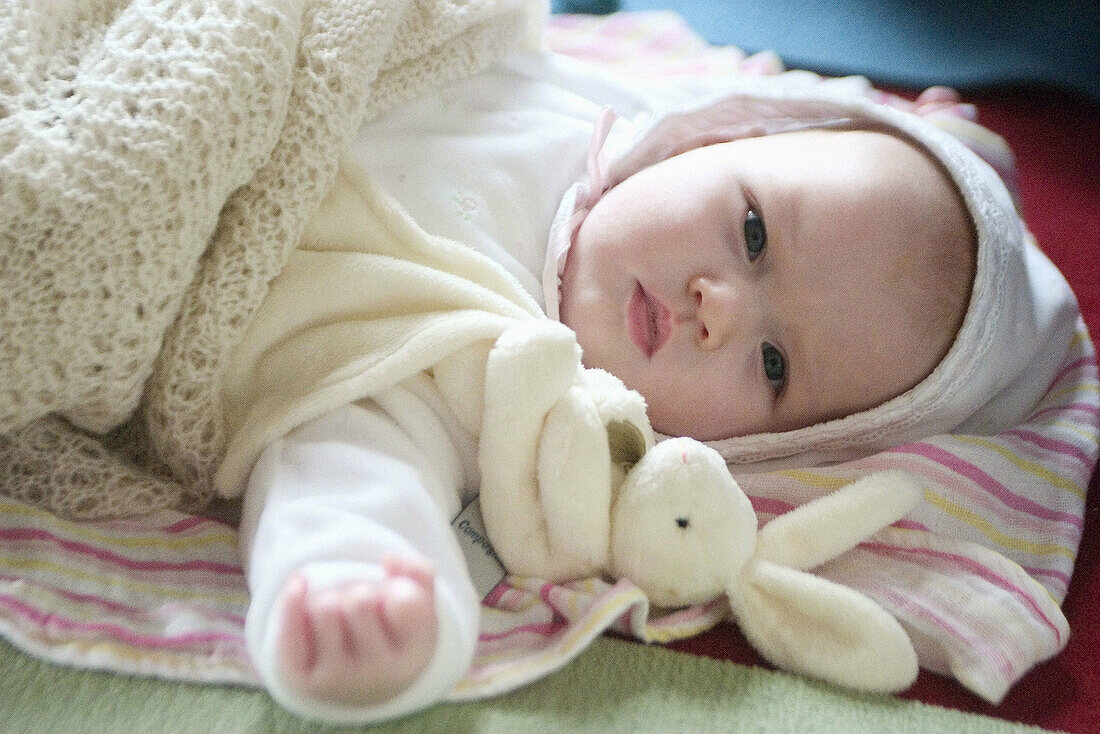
[961, 43]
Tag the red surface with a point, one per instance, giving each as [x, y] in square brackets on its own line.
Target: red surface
[1056, 138]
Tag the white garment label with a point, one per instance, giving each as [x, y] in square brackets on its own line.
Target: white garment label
[486, 570]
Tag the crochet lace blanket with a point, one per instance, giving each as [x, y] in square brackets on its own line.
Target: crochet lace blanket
[158, 161]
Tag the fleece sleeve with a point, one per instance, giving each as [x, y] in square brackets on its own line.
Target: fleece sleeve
[329, 500]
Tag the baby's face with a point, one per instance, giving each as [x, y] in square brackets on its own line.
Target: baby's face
[757, 285]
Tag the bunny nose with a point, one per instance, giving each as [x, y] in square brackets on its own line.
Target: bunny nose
[715, 305]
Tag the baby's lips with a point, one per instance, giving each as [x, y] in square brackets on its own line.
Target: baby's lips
[648, 321]
[662, 319]
[637, 321]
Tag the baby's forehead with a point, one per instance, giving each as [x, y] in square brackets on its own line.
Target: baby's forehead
[868, 142]
[901, 169]
[861, 166]
[894, 237]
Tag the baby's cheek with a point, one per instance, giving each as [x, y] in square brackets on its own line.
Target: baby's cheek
[718, 413]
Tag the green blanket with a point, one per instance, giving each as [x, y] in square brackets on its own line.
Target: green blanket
[614, 687]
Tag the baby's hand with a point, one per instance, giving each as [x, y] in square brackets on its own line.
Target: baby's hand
[361, 643]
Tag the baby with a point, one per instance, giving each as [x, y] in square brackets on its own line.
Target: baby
[774, 282]
[754, 285]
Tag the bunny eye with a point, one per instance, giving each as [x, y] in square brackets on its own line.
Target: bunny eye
[683, 522]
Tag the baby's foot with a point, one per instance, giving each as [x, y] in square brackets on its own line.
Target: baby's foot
[361, 643]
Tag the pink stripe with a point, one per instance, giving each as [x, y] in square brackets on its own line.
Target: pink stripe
[774, 507]
[986, 482]
[626, 619]
[1083, 361]
[770, 505]
[28, 534]
[542, 629]
[688, 615]
[115, 606]
[1061, 576]
[977, 644]
[544, 592]
[618, 24]
[974, 568]
[564, 20]
[1082, 407]
[664, 40]
[493, 597]
[188, 523]
[177, 642]
[961, 489]
[1052, 445]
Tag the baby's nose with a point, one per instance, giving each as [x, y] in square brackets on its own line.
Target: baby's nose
[715, 308]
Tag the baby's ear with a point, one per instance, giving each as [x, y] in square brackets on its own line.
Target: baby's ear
[808, 625]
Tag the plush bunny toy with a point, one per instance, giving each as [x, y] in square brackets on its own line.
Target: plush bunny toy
[573, 486]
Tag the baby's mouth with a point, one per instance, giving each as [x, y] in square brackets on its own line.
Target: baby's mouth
[648, 322]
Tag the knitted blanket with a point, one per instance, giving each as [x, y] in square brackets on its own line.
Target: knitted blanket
[159, 159]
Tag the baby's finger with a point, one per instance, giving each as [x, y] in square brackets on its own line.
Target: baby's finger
[363, 611]
[296, 651]
[408, 611]
[330, 632]
[412, 567]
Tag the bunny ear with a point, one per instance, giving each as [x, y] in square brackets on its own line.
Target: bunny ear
[807, 625]
[809, 535]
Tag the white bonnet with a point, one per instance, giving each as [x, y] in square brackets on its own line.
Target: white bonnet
[1021, 316]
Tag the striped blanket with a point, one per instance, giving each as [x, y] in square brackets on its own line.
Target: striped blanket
[976, 573]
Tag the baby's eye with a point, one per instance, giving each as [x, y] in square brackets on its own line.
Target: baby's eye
[756, 238]
[775, 367]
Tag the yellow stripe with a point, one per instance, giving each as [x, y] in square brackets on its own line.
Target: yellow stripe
[90, 611]
[821, 481]
[1031, 467]
[572, 602]
[183, 661]
[1087, 387]
[1014, 569]
[56, 524]
[990, 531]
[1085, 433]
[687, 629]
[528, 604]
[523, 584]
[228, 597]
[633, 35]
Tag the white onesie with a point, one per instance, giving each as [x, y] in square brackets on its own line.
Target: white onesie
[483, 162]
